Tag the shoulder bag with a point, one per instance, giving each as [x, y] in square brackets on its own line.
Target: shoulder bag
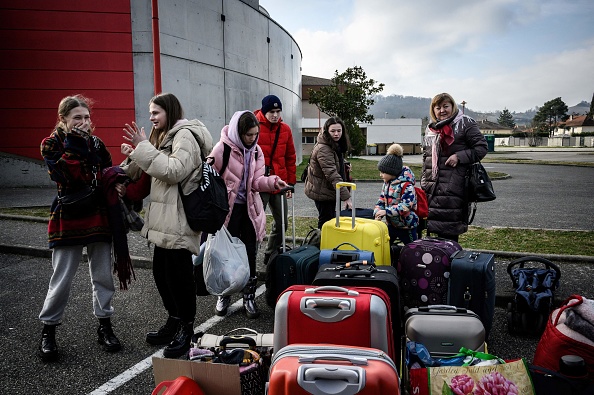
[207, 207]
[478, 184]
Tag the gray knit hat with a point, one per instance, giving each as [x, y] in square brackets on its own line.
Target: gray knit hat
[392, 162]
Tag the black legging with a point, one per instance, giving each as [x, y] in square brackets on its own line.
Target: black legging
[173, 272]
[326, 211]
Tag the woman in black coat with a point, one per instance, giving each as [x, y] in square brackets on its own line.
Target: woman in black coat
[452, 142]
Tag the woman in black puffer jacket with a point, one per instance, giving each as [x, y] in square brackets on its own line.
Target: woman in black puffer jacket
[452, 142]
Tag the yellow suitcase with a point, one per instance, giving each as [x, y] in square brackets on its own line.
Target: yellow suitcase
[365, 234]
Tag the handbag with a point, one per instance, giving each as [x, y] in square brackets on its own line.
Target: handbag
[225, 266]
[478, 184]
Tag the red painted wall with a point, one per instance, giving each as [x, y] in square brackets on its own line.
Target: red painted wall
[52, 49]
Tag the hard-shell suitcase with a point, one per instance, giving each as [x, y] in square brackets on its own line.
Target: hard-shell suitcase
[366, 234]
[359, 275]
[179, 386]
[472, 285]
[444, 329]
[340, 255]
[424, 271]
[319, 369]
[290, 266]
[356, 316]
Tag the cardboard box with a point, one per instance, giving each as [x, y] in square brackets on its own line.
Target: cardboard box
[213, 378]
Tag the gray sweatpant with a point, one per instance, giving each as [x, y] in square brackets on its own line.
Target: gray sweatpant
[65, 261]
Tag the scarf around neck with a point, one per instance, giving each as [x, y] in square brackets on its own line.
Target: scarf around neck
[444, 137]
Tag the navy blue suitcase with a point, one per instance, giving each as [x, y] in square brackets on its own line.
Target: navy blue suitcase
[472, 285]
[287, 266]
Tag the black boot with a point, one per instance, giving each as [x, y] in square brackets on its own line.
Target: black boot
[165, 333]
[48, 349]
[106, 337]
[180, 344]
[249, 298]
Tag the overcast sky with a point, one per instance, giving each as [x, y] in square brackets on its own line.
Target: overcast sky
[493, 54]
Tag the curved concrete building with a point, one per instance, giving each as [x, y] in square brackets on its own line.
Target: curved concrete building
[217, 56]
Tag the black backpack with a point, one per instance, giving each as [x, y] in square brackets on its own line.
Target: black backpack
[207, 206]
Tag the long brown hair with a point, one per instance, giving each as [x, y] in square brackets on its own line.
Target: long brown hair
[344, 143]
[173, 108]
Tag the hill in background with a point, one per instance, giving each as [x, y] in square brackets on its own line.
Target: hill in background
[397, 106]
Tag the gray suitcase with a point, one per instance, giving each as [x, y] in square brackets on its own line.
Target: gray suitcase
[444, 329]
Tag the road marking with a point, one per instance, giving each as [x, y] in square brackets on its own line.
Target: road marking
[146, 363]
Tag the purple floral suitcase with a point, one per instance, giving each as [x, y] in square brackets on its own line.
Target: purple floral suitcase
[424, 271]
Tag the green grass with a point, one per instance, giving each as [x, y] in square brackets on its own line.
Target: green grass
[364, 169]
[499, 239]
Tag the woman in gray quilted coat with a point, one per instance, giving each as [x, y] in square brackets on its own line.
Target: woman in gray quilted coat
[452, 142]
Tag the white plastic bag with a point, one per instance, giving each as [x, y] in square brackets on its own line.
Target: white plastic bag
[225, 266]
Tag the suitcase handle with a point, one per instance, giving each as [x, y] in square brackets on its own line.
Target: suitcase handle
[346, 243]
[350, 273]
[346, 375]
[331, 357]
[327, 309]
[353, 188]
[284, 191]
[235, 339]
[442, 307]
[331, 288]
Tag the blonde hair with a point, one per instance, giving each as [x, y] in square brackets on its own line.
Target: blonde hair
[439, 99]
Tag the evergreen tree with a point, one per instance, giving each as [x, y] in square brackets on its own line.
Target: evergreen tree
[549, 115]
[506, 119]
[349, 97]
[591, 112]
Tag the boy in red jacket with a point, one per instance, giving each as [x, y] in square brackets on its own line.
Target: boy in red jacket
[276, 141]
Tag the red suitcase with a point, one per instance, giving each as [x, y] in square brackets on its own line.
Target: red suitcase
[301, 369]
[354, 316]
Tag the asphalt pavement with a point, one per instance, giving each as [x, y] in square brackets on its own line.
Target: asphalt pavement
[535, 196]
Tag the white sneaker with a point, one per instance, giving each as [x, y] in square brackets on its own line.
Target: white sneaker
[223, 303]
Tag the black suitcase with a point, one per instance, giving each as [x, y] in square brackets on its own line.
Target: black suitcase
[360, 275]
[472, 285]
[359, 213]
[287, 266]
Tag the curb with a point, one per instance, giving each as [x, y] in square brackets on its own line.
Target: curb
[502, 298]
